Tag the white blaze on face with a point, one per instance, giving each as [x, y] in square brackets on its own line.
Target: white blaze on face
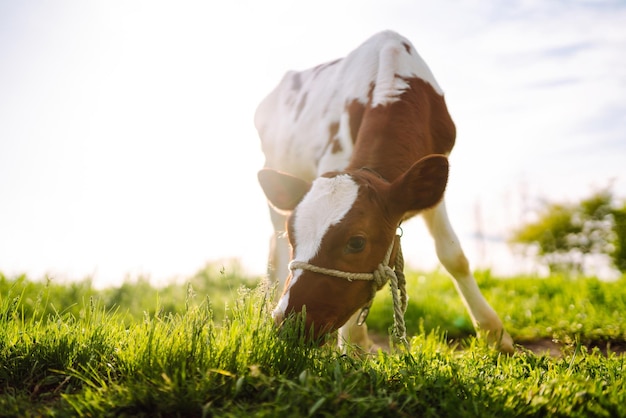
[324, 205]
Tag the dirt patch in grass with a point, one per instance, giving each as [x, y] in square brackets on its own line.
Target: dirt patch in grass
[540, 346]
[555, 349]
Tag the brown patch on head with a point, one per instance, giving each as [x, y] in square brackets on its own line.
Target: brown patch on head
[407, 47]
[330, 301]
[326, 301]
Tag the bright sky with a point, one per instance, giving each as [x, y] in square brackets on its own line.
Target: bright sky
[127, 145]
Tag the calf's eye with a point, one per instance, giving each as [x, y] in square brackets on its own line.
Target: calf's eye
[356, 244]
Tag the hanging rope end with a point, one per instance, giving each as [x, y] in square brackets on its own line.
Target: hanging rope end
[399, 342]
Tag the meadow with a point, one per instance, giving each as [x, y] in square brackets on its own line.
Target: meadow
[207, 347]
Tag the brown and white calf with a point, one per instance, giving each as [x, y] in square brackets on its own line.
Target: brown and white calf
[353, 147]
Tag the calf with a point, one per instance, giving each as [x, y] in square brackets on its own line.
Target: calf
[353, 147]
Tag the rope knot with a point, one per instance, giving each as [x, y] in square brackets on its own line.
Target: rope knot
[381, 275]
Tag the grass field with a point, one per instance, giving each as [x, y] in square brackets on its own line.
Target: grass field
[206, 347]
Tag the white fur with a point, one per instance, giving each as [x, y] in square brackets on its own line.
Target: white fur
[295, 138]
[324, 205]
[281, 306]
[388, 86]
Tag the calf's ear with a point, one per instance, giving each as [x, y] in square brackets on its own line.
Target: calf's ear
[282, 190]
[421, 186]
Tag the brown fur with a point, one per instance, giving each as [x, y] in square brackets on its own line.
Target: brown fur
[392, 138]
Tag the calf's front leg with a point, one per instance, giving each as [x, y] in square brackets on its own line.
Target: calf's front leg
[450, 253]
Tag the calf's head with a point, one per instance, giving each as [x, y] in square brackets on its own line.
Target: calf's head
[344, 221]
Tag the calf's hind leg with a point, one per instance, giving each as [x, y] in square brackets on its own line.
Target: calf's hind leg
[451, 255]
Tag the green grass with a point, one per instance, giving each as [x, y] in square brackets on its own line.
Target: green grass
[67, 351]
[567, 310]
[134, 298]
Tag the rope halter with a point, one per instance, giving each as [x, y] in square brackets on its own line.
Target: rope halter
[384, 273]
